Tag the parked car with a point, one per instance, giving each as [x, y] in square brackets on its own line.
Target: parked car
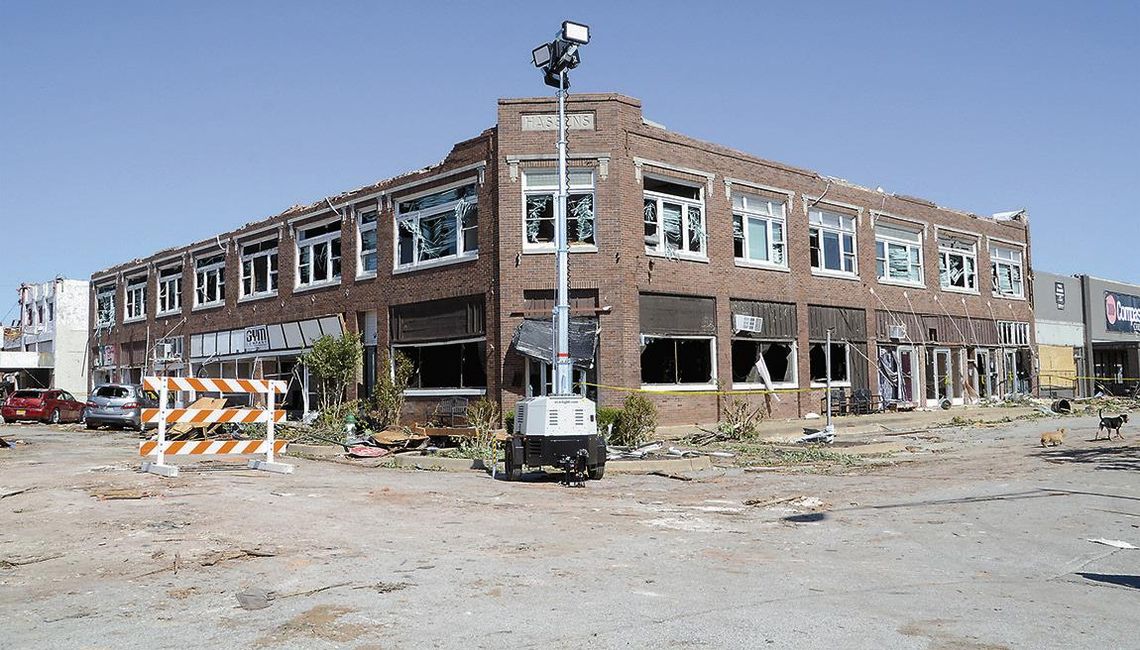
[46, 405]
[119, 406]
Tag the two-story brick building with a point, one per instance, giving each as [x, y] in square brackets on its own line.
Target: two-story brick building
[694, 269]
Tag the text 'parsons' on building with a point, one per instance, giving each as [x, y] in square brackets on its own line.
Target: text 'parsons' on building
[693, 267]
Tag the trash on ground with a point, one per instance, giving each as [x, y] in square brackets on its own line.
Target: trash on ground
[1115, 543]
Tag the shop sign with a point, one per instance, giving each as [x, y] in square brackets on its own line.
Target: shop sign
[549, 122]
[256, 338]
[1121, 312]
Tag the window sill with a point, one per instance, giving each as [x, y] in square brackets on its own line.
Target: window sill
[370, 275]
[169, 313]
[837, 275]
[314, 287]
[136, 319]
[662, 388]
[761, 387]
[998, 295]
[902, 283]
[412, 268]
[968, 292]
[686, 257]
[444, 392]
[834, 384]
[762, 266]
[550, 250]
[256, 297]
[208, 305]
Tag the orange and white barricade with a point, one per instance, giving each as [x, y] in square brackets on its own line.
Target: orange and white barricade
[165, 415]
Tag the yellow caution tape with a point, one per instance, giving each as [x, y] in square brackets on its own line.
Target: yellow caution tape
[666, 391]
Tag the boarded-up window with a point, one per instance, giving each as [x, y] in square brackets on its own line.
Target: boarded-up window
[438, 320]
[666, 315]
[846, 323]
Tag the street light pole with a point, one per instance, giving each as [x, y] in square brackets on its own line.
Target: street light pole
[563, 366]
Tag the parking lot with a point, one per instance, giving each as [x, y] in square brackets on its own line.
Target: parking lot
[979, 542]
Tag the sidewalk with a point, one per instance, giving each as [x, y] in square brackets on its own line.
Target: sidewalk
[787, 430]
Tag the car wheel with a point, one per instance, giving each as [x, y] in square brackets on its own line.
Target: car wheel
[91, 425]
[55, 416]
[82, 416]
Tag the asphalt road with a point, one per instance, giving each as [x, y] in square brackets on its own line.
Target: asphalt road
[977, 542]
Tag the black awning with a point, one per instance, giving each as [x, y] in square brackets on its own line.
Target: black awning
[535, 339]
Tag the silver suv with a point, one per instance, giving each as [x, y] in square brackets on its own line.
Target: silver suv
[119, 406]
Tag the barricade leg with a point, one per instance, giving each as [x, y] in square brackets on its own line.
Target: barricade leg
[268, 465]
[157, 466]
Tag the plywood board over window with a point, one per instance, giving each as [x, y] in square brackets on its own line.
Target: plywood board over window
[664, 314]
[450, 318]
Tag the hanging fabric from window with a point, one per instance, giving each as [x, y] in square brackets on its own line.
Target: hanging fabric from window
[888, 375]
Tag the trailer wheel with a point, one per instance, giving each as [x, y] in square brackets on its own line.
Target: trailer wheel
[512, 471]
[596, 473]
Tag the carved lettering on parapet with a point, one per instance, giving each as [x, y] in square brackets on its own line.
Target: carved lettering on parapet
[549, 122]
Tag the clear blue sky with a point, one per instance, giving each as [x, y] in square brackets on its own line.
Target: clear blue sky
[130, 126]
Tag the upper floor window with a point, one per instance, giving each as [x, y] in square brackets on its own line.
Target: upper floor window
[51, 312]
[832, 240]
[210, 280]
[1007, 276]
[1013, 332]
[105, 305]
[898, 255]
[318, 254]
[958, 265]
[170, 290]
[136, 298]
[30, 315]
[438, 227]
[540, 187]
[259, 268]
[674, 217]
[366, 261]
[758, 226]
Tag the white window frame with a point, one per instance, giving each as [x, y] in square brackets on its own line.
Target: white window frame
[134, 301]
[846, 383]
[1015, 260]
[439, 392]
[660, 198]
[1013, 333]
[678, 386]
[415, 216]
[546, 378]
[535, 189]
[333, 273]
[272, 268]
[746, 213]
[817, 224]
[794, 361]
[887, 239]
[361, 229]
[169, 299]
[109, 291]
[952, 247]
[201, 280]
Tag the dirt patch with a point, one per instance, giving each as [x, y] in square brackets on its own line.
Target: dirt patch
[943, 639]
[321, 622]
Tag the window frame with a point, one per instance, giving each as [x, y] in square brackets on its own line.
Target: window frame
[334, 263]
[441, 392]
[108, 290]
[272, 268]
[819, 229]
[997, 261]
[173, 300]
[846, 383]
[888, 240]
[201, 280]
[579, 385]
[746, 213]
[416, 216]
[677, 385]
[362, 228]
[661, 250]
[776, 385]
[946, 249]
[552, 191]
[134, 298]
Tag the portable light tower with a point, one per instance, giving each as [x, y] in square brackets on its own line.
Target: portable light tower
[559, 429]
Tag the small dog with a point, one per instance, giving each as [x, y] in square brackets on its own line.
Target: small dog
[1053, 438]
[1110, 424]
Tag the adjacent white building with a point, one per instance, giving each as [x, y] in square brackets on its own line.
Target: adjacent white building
[46, 346]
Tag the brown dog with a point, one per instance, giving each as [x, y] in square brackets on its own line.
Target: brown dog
[1053, 438]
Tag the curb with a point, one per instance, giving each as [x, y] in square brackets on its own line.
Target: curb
[436, 463]
[693, 464]
[321, 451]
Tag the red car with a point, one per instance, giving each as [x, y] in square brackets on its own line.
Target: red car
[52, 405]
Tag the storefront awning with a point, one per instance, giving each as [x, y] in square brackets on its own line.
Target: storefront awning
[535, 339]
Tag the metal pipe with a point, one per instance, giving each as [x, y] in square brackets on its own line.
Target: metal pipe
[563, 369]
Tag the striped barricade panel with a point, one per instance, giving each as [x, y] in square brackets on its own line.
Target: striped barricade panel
[214, 416]
[211, 447]
[203, 385]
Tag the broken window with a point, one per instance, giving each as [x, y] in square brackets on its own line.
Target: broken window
[539, 189]
[436, 227]
[366, 260]
[447, 366]
[677, 360]
[136, 298]
[898, 255]
[1006, 266]
[758, 229]
[957, 264]
[105, 305]
[318, 254]
[210, 280]
[674, 218]
[1013, 333]
[259, 268]
[831, 237]
[840, 357]
[751, 358]
[170, 290]
[540, 379]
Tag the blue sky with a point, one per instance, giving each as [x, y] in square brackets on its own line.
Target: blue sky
[127, 127]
